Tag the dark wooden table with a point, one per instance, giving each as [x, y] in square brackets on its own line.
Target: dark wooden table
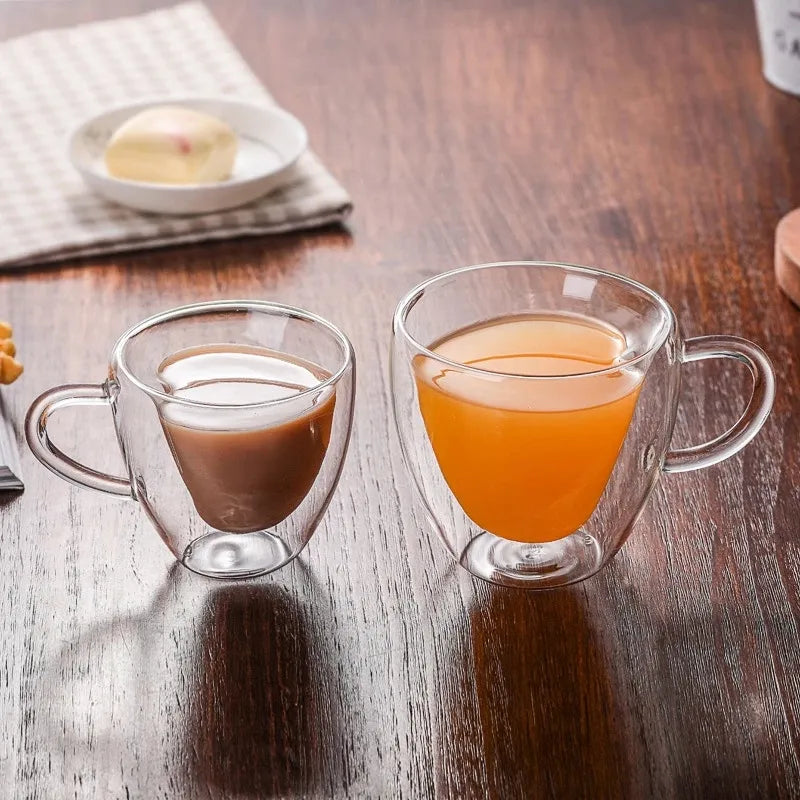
[636, 136]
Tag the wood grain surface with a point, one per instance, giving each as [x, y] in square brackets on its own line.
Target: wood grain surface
[635, 136]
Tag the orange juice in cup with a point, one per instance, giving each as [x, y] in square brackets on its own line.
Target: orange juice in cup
[528, 460]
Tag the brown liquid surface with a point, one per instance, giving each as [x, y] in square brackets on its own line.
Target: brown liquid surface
[246, 468]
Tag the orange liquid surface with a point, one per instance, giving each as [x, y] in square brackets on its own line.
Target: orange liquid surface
[528, 460]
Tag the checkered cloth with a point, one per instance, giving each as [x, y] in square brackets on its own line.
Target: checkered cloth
[53, 80]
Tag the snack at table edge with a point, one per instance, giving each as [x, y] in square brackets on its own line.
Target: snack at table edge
[172, 144]
[10, 368]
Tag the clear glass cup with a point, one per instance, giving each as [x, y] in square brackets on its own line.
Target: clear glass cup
[141, 406]
[652, 361]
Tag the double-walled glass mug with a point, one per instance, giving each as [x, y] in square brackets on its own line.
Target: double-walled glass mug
[535, 404]
[233, 419]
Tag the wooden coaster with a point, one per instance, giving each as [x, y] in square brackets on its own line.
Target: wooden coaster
[787, 255]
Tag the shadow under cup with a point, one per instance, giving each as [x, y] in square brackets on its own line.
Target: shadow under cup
[234, 483]
[534, 477]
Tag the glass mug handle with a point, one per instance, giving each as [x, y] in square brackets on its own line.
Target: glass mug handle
[79, 394]
[753, 417]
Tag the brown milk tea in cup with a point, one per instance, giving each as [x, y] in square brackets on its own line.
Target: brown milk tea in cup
[247, 466]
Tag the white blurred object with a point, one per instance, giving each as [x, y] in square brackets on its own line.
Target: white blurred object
[779, 32]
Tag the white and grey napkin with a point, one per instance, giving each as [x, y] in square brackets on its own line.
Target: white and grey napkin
[52, 80]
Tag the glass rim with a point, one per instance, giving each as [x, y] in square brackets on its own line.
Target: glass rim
[210, 307]
[410, 299]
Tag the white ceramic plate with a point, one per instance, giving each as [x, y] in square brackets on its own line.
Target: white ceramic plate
[270, 142]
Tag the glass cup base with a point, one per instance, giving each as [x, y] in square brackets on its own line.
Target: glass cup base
[236, 555]
[541, 565]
